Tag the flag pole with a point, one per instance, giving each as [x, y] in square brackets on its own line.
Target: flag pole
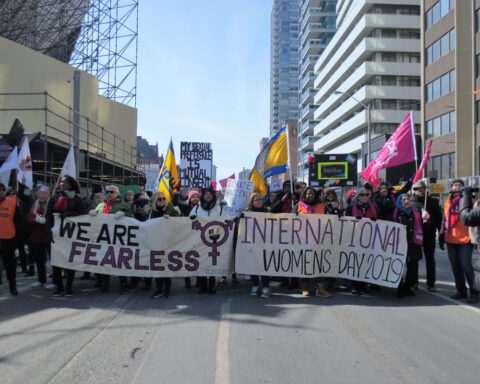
[412, 125]
[289, 161]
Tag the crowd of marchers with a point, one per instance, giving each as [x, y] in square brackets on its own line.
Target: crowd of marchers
[26, 219]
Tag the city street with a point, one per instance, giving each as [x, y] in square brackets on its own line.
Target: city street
[234, 338]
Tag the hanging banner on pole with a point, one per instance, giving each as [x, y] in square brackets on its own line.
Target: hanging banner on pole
[195, 164]
[321, 245]
[237, 195]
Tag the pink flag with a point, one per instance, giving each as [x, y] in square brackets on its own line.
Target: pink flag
[223, 182]
[425, 159]
[399, 149]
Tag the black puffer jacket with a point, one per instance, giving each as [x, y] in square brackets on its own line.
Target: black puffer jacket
[468, 215]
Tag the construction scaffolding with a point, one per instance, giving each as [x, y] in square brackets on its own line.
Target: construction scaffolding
[97, 36]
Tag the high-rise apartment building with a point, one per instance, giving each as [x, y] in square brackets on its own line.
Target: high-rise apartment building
[450, 72]
[369, 71]
[284, 63]
[317, 27]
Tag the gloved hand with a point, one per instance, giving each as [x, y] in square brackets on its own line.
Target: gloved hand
[193, 217]
[119, 215]
[373, 218]
[92, 212]
[40, 219]
[441, 240]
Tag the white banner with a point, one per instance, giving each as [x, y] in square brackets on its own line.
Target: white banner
[321, 245]
[237, 194]
[155, 248]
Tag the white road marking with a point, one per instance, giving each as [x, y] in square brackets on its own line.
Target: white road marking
[222, 371]
[441, 296]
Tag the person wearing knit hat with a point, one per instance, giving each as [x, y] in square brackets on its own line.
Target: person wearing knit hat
[192, 194]
[432, 222]
[459, 247]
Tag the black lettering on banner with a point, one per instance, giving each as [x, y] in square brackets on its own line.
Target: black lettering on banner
[195, 164]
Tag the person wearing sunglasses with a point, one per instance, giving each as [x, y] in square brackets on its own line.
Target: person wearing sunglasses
[113, 205]
[162, 208]
[67, 203]
[361, 207]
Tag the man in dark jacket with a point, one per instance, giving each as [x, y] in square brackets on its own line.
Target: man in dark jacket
[432, 222]
[468, 215]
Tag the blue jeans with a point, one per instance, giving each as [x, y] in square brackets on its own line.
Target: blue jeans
[460, 256]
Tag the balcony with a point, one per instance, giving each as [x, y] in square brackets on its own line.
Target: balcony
[307, 95]
[308, 79]
[306, 144]
[314, 15]
[316, 30]
[307, 112]
[313, 47]
[307, 127]
[308, 64]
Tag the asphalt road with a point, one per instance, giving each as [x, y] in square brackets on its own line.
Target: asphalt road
[234, 338]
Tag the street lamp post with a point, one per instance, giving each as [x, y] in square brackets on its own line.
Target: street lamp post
[369, 122]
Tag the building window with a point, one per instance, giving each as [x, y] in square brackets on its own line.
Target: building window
[440, 86]
[477, 20]
[477, 111]
[441, 125]
[442, 167]
[438, 11]
[440, 47]
[477, 66]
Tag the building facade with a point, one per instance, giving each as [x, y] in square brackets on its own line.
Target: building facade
[450, 70]
[317, 27]
[370, 71]
[284, 63]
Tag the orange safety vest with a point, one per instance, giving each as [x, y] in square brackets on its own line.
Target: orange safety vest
[459, 232]
[7, 210]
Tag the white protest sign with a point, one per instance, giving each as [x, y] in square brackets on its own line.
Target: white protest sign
[151, 176]
[237, 194]
[195, 164]
[276, 185]
[321, 245]
[161, 247]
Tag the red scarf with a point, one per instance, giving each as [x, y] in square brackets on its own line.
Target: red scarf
[107, 208]
[61, 204]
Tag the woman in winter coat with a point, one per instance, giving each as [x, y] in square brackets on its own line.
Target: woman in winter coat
[256, 204]
[67, 203]
[207, 206]
[460, 249]
[405, 213]
[40, 235]
[331, 203]
[361, 207]
[162, 208]
[113, 206]
[309, 204]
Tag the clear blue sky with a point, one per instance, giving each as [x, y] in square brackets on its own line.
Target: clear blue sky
[204, 75]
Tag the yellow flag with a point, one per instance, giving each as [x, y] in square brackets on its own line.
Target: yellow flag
[168, 182]
[272, 160]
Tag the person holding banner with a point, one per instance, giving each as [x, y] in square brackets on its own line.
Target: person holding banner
[162, 208]
[407, 214]
[308, 205]
[256, 204]
[361, 207]
[113, 206]
[67, 203]
[459, 247]
[332, 205]
[40, 235]
[207, 206]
